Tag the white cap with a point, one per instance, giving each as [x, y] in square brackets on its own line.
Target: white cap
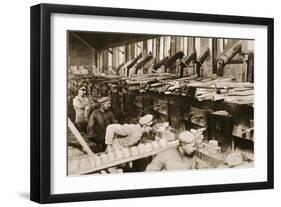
[187, 137]
[146, 120]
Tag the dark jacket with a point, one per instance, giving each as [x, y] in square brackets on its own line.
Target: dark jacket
[98, 122]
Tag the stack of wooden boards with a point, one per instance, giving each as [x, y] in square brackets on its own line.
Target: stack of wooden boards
[212, 87]
[224, 88]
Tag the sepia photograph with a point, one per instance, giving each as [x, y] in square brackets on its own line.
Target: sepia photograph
[129, 103]
[145, 103]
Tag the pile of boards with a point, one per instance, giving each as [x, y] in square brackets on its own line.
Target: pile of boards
[224, 88]
[212, 87]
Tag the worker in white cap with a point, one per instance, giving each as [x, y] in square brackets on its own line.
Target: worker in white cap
[126, 135]
[180, 158]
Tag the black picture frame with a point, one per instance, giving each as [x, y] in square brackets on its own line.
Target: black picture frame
[41, 99]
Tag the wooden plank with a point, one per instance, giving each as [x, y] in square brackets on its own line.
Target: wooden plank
[218, 97]
[235, 85]
[240, 98]
[241, 93]
[79, 137]
[170, 145]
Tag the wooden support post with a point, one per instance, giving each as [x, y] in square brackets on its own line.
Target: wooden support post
[100, 62]
[127, 53]
[96, 59]
[250, 74]
[154, 48]
[167, 45]
[105, 61]
[158, 48]
[161, 48]
[214, 50]
[178, 44]
[220, 46]
[197, 46]
[173, 46]
[150, 46]
[109, 62]
[191, 45]
[144, 48]
[185, 46]
[133, 55]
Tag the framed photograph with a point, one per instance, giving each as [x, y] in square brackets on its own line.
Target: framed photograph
[132, 103]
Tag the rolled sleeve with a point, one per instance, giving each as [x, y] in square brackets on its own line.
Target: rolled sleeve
[127, 131]
[113, 129]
